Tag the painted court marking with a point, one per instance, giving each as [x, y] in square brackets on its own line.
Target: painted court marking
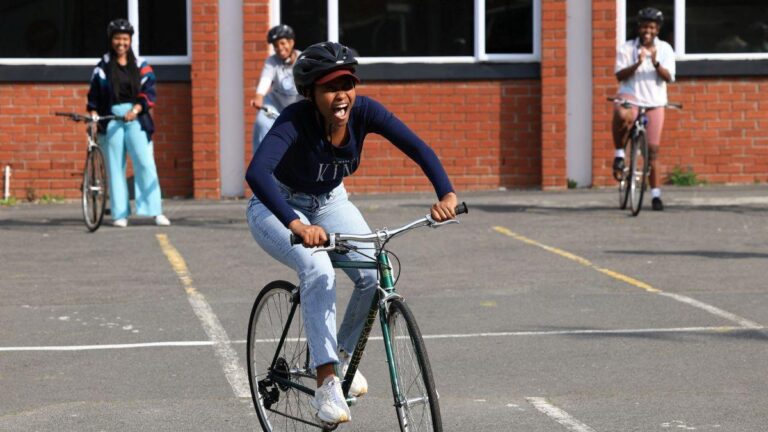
[222, 346]
[743, 322]
[558, 415]
[184, 344]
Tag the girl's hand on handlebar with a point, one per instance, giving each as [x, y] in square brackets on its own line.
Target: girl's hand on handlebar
[445, 209]
[258, 101]
[313, 235]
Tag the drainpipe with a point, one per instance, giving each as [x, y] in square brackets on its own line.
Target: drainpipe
[7, 182]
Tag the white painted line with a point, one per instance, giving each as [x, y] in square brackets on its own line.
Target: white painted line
[558, 415]
[235, 374]
[713, 310]
[724, 329]
[107, 347]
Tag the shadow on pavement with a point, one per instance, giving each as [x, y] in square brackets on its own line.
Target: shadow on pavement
[742, 334]
[697, 253]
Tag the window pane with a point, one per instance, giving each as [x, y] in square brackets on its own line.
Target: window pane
[509, 26]
[667, 7]
[405, 28]
[163, 27]
[726, 26]
[57, 28]
[308, 18]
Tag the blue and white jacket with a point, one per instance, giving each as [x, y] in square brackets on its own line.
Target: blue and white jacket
[100, 95]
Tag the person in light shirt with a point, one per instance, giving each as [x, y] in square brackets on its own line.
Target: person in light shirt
[644, 66]
[276, 89]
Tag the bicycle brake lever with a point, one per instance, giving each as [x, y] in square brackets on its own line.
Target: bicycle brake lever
[435, 224]
[330, 247]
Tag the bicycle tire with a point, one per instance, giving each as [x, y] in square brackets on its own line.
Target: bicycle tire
[94, 189]
[414, 373]
[624, 182]
[638, 172]
[279, 408]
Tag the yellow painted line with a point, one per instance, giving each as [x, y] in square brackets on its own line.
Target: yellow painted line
[583, 261]
[177, 263]
[743, 322]
[236, 375]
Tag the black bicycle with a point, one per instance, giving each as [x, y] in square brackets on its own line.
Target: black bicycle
[281, 379]
[634, 179]
[95, 184]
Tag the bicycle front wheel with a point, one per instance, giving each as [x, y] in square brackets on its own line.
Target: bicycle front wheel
[638, 172]
[94, 189]
[277, 353]
[416, 402]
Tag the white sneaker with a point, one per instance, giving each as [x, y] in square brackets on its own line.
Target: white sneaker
[329, 402]
[359, 385]
[161, 220]
[120, 223]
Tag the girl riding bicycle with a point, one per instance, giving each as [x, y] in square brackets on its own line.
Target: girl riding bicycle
[644, 66]
[276, 89]
[297, 179]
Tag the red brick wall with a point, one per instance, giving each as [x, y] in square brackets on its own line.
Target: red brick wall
[553, 94]
[485, 133]
[604, 84]
[721, 133]
[47, 153]
[205, 100]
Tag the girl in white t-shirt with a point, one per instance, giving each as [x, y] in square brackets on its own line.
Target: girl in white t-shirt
[644, 66]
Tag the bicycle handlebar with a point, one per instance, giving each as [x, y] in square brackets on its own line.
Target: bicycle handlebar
[385, 234]
[627, 102]
[88, 119]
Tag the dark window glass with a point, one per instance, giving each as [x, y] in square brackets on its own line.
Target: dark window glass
[726, 26]
[667, 7]
[509, 26]
[57, 28]
[308, 18]
[405, 28]
[163, 27]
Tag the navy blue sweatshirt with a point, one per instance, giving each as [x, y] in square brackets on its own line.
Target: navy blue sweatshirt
[298, 154]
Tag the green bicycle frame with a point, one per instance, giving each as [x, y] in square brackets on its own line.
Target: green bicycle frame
[387, 284]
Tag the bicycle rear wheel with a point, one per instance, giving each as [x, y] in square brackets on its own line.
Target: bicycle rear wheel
[638, 172]
[280, 407]
[416, 402]
[624, 182]
[94, 189]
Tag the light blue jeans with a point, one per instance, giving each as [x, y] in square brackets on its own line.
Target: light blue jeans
[122, 137]
[263, 123]
[317, 278]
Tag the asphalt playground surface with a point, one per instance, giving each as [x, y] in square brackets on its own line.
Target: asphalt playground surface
[543, 312]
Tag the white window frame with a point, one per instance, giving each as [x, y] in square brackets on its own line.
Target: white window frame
[680, 54]
[479, 33]
[133, 17]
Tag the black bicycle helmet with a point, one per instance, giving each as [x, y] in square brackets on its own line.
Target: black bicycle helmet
[319, 60]
[281, 31]
[119, 25]
[650, 14]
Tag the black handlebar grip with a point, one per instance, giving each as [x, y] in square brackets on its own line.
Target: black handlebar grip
[296, 240]
[462, 208]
